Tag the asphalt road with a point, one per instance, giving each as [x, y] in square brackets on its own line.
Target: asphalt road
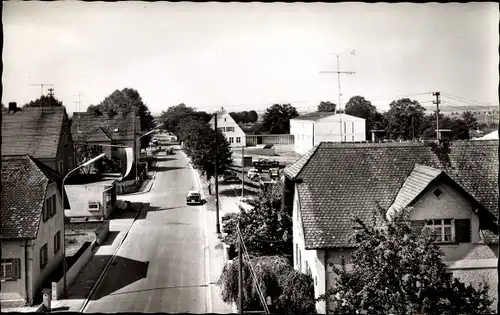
[161, 265]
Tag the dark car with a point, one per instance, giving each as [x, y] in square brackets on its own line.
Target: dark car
[231, 177]
[193, 197]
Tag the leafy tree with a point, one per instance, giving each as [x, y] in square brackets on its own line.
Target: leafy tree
[395, 270]
[470, 120]
[290, 291]
[277, 118]
[405, 117]
[252, 116]
[327, 107]
[45, 101]
[173, 115]
[266, 227]
[85, 152]
[199, 145]
[458, 127]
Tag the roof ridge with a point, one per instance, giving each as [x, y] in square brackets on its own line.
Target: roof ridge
[314, 150]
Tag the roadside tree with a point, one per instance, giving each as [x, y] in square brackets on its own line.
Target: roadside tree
[277, 118]
[470, 120]
[173, 115]
[416, 284]
[326, 107]
[404, 119]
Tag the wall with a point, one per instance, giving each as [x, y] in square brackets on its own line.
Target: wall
[302, 131]
[329, 129]
[45, 235]
[269, 139]
[101, 228]
[225, 120]
[15, 249]
[257, 151]
[58, 287]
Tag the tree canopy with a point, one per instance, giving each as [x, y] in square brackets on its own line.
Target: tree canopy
[44, 101]
[327, 107]
[266, 227]
[405, 117]
[470, 120]
[244, 116]
[173, 115]
[417, 283]
[277, 118]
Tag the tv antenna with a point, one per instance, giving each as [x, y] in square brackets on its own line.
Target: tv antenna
[41, 85]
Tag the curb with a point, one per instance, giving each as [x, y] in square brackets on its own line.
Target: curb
[108, 264]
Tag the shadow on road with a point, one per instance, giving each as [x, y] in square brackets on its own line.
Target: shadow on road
[230, 192]
[123, 272]
[110, 238]
[168, 168]
[164, 159]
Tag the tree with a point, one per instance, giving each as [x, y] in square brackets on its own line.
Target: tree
[405, 117]
[327, 107]
[44, 101]
[199, 140]
[360, 107]
[290, 291]
[173, 115]
[277, 118]
[85, 152]
[252, 116]
[470, 120]
[267, 229]
[416, 284]
[458, 127]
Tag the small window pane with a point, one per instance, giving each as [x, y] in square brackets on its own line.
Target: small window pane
[447, 221]
[447, 234]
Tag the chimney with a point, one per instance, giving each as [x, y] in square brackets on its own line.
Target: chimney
[12, 106]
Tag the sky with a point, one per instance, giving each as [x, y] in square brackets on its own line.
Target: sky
[244, 56]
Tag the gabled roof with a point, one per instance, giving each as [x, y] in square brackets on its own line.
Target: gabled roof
[119, 127]
[321, 115]
[490, 136]
[341, 180]
[29, 131]
[24, 186]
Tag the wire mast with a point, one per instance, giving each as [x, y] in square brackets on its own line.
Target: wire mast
[338, 72]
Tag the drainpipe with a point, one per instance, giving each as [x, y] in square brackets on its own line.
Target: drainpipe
[326, 279]
[26, 270]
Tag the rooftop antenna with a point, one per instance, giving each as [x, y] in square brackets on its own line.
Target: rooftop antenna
[338, 72]
[41, 85]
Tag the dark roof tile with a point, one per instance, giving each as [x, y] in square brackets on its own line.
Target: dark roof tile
[119, 127]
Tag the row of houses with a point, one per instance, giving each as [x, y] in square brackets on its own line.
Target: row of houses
[38, 151]
[451, 187]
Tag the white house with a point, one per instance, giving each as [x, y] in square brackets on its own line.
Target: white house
[234, 134]
[310, 129]
[333, 183]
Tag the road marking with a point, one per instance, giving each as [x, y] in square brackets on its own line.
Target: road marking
[207, 246]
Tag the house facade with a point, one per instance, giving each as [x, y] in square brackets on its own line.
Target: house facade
[112, 133]
[451, 189]
[310, 129]
[32, 227]
[43, 133]
[228, 126]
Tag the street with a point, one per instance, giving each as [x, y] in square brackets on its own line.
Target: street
[161, 264]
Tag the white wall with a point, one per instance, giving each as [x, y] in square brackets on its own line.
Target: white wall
[45, 235]
[15, 249]
[302, 131]
[225, 120]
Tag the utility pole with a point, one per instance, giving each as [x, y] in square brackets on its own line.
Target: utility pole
[338, 72]
[437, 102]
[242, 173]
[135, 150]
[51, 96]
[216, 174]
[79, 101]
[41, 85]
[240, 270]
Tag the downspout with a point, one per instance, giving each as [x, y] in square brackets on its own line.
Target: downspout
[26, 271]
[326, 279]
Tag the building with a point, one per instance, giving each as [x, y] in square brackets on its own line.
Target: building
[455, 185]
[228, 126]
[90, 197]
[490, 136]
[43, 133]
[111, 132]
[32, 227]
[310, 129]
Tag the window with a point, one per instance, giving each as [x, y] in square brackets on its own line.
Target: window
[53, 209]
[10, 269]
[44, 259]
[61, 165]
[50, 208]
[442, 229]
[222, 129]
[438, 192]
[231, 140]
[230, 129]
[238, 139]
[94, 206]
[57, 242]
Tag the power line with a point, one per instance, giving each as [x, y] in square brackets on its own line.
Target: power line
[463, 99]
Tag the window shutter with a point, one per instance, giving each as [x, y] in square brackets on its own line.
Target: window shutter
[418, 226]
[16, 268]
[462, 230]
[54, 203]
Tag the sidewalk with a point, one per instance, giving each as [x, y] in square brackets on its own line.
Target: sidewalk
[79, 291]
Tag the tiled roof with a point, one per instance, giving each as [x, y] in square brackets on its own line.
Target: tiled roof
[293, 170]
[118, 127]
[342, 180]
[28, 131]
[24, 185]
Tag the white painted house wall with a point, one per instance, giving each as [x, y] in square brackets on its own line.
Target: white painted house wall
[308, 133]
[234, 134]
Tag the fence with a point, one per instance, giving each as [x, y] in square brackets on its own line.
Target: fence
[269, 139]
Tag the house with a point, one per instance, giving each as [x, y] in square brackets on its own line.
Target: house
[310, 129]
[42, 133]
[233, 132]
[90, 197]
[112, 132]
[452, 188]
[490, 136]
[32, 227]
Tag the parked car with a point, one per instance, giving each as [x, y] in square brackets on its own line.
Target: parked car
[155, 140]
[274, 173]
[193, 197]
[252, 173]
[265, 164]
[231, 177]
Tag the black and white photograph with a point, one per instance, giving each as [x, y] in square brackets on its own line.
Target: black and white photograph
[250, 157]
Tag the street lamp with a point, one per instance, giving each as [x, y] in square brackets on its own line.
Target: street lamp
[135, 146]
[64, 218]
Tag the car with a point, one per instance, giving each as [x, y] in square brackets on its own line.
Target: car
[274, 173]
[193, 197]
[231, 177]
[155, 140]
[252, 173]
